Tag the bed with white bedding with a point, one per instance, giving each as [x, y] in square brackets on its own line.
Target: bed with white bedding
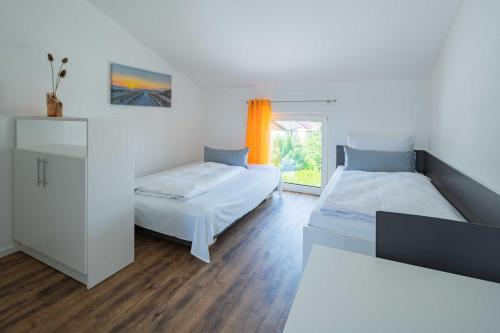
[344, 216]
[198, 201]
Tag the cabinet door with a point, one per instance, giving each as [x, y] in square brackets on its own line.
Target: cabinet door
[29, 199]
[65, 226]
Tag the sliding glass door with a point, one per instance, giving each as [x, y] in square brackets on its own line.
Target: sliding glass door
[298, 146]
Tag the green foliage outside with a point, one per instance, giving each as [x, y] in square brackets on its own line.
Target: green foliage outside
[304, 177]
[298, 154]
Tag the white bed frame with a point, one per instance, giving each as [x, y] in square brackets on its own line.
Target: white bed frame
[321, 236]
[314, 235]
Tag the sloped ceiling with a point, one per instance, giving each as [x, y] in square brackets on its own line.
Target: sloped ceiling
[224, 43]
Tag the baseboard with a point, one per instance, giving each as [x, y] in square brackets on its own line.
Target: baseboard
[9, 250]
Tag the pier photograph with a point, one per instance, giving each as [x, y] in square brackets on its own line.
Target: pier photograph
[134, 86]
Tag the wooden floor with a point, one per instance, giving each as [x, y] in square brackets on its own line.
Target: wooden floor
[248, 287]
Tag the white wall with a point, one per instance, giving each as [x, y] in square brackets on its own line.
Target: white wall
[465, 94]
[384, 107]
[30, 29]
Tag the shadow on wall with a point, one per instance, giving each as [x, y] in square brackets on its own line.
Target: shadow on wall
[7, 140]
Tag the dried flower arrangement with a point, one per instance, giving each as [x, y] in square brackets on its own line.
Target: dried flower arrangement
[54, 105]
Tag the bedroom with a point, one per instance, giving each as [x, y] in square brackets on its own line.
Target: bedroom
[427, 69]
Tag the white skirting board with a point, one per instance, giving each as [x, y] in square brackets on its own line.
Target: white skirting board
[313, 235]
[9, 250]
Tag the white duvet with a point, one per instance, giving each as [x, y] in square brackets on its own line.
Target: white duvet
[187, 181]
[203, 217]
[360, 194]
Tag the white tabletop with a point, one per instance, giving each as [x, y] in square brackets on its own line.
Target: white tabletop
[347, 292]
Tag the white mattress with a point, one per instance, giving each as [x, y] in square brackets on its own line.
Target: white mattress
[201, 218]
[429, 202]
[350, 227]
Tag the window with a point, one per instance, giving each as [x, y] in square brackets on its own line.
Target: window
[297, 148]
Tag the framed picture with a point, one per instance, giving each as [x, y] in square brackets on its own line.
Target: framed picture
[134, 86]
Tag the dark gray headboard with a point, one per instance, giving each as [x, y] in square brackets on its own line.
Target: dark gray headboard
[475, 202]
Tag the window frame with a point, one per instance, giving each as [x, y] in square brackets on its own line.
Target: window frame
[315, 117]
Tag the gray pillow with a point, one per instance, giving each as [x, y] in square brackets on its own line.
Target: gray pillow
[379, 161]
[225, 156]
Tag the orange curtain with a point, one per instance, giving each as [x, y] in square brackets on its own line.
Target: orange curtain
[259, 131]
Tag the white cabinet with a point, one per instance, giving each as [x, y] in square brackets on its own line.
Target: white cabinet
[65, 193]
[29, 200]
[73, 195]
[50, 206]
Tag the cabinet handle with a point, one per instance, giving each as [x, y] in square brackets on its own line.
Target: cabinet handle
[45, 183]
[38, 180]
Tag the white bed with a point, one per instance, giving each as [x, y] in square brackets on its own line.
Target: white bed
[351, 227]
[201, 218]
[357, 233]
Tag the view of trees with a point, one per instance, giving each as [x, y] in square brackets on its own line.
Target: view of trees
[298, 154]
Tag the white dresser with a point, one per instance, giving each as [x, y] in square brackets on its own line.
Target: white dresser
[73, 194]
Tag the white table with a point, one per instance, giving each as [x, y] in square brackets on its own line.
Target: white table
[344, 291]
